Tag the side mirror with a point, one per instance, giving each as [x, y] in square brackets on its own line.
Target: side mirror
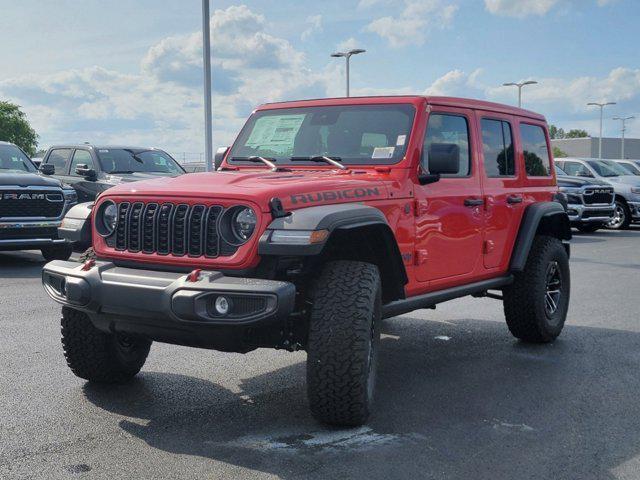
[583, 173]
[221, 152]
[444, 158]
[47, 169]
[84, 171]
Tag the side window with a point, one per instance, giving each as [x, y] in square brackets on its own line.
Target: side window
[536, 153]
[576, 169]
[497, 146]
[59, 158]
[81, 157]
[445, 128]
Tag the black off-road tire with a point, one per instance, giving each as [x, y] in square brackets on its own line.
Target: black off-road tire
[97, 356]
[343, 344]
[590, 227]
[525, 301]
[87, 255]
[57, 252]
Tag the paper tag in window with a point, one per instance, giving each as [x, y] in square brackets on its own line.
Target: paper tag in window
[383, 152]
[401, 140]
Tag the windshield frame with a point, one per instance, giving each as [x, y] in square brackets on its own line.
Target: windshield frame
[247, 129]
[137, 151]
[25, 158]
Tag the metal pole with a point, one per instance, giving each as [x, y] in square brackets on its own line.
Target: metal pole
[348, 57]
[520, 96]
[206, 57]
[623, 129]
[600, 139]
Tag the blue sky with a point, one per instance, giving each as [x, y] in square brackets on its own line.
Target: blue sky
[131, 71]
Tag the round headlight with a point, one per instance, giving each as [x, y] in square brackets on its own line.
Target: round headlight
[243, 223]
[107, 218]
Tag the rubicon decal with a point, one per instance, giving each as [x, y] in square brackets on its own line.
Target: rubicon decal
[348, 194]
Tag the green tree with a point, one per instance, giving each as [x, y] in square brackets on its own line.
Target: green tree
[557, 153]
[555, 132]
[15, 128]
[576, 133]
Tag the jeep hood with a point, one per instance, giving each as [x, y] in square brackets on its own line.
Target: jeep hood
[295, 189]
[11, 178]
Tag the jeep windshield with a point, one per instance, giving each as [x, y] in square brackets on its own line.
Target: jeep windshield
[604, 169]
[13, 159]
[350, 134]
[131, 160]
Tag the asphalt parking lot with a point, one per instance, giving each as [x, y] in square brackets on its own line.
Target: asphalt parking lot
[458, 397]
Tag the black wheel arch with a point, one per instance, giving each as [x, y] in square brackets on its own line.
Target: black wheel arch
[356, 232]
[543, 218]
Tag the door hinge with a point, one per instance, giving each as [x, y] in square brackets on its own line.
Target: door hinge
[489, 245]
[420, 207]
[420, 257]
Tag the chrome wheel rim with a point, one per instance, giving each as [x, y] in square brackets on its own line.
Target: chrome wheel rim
[618, 218]
[553, 289]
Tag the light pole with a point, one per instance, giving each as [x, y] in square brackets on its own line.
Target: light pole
[624, 129]
[601, 105]
[347, 56]
[206, 57]
[520, 85]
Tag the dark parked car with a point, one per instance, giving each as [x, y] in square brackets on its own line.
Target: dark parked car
[31, 206]
[590, 203]
[92, 169]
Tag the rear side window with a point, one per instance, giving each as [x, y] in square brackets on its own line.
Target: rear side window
[445, 128]
[497, 145]
[59, 158]
[536, 152]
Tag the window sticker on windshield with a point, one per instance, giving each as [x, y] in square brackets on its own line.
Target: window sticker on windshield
[275, 132]
[383, 152]
[401, 140]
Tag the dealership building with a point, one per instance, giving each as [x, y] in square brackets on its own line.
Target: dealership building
[587, 147]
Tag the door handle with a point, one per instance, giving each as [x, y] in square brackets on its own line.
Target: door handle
[473, 202]
[512, 199]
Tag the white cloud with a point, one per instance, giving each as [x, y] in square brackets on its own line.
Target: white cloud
[348, 44]
[526, 8]
[315, 26]
[457, 83]
[416, 19]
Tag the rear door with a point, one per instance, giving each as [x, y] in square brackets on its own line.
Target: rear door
[501, 179]
[449, 213]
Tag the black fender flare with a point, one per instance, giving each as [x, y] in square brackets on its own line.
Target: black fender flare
[341, 220]
[548, 218]
[76, 225]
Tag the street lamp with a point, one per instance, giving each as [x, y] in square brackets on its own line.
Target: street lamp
[520, 85]
[206, 57]
[347, 56]
[601, 105]
[624, 129]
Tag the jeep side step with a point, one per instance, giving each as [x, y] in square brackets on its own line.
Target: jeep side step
[429, 300]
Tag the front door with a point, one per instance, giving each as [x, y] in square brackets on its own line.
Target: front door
[449, 213]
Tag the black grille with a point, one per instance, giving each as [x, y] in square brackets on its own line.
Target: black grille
[31, 203]
[168, 229]
[28, 233]
[598, 195]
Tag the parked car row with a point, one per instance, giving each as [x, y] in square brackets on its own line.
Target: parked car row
[34, 202]
[600, 193]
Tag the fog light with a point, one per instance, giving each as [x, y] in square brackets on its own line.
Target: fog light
[222, 305]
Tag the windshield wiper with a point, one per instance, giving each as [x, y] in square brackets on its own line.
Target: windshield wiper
[135, 155]
[335, 161]
[122, 171]
[269, 162]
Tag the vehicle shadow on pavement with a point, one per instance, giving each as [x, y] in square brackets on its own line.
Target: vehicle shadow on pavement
[455, 400]
[21, 265]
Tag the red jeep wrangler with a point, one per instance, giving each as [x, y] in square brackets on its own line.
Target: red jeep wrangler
[325, 217]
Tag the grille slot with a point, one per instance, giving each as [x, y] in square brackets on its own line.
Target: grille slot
[170, 229]
[31, 203]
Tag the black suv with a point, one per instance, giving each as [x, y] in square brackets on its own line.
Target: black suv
[591, 203]
[31, 206]
[92, 169]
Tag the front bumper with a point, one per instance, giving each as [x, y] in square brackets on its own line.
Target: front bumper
[589, 214]
[170, 307]
[25, 235]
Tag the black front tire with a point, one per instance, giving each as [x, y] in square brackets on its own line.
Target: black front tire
[621, 217]
[344, 337]
[57, 252]
[528, 301]
[98, 356]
